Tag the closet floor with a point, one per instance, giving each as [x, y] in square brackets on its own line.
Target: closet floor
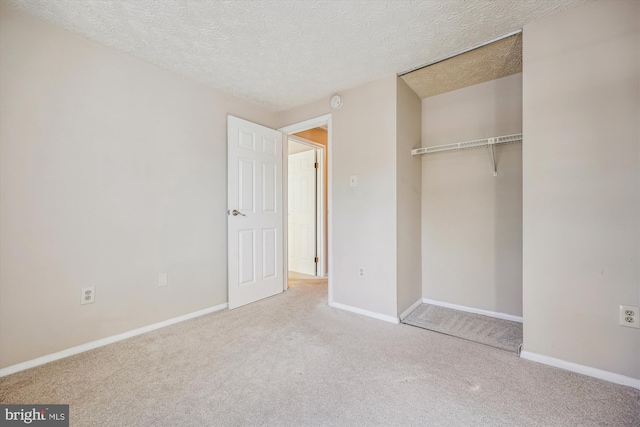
[503, 334]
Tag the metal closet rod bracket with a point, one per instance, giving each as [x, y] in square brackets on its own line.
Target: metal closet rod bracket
[490, 143]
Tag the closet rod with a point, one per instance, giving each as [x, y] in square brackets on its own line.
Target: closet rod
[428, 64]
[486, 142]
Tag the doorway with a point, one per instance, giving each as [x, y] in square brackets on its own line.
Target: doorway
[312, 137]
[304, 190]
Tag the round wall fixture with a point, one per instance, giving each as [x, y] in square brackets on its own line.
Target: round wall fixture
[336, 102]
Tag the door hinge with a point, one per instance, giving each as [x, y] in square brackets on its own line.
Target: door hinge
[317, 259]
[315, 165]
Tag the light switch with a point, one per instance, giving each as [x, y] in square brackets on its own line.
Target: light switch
[163, 279]
[353, 181]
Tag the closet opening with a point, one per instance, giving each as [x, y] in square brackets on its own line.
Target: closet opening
[471, 154]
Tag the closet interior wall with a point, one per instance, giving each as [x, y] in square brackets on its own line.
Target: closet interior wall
[471, 220]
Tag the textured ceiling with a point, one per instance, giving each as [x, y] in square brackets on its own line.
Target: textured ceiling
[282, 54]
[498, 59]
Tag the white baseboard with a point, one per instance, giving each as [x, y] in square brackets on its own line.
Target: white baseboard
[495, 314]
[581, 369]
[367, 313]
[104, 341]
[410, 309]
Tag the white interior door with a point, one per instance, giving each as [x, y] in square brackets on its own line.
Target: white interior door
[302, 212]
[255, 218]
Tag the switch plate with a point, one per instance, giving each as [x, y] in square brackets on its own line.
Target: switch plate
[163, 279]
[353, 181]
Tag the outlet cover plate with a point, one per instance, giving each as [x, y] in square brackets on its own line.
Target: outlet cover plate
[88, 295]
[630, 316]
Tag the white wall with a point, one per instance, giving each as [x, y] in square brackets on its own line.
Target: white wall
[581, 176]
[471, 220]
[408, 190]
[365, 217]
[111, 171]
[295, 147]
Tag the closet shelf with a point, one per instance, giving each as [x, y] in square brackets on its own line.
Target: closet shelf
[508, 139]
[486, 142]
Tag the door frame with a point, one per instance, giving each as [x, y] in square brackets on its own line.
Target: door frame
[321, 268]
[325, 120]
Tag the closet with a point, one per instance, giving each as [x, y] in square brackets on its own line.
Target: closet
[471, 156]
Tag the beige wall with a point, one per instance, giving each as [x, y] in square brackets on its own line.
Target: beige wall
[471, 220]
[408, 190]
[581, 176]
[111, 171]
[364, 218]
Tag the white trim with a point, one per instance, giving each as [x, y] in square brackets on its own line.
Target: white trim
[306, 125]
[330, 206]
[105, 341]
[390, 319]
[316, 122]
[581, 369]
[495, 314]
[410, 309]
[285, 209]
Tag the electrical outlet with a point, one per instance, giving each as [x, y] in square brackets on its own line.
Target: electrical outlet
[630, 316]
[163, 279]
[361, 272]
[88, 295]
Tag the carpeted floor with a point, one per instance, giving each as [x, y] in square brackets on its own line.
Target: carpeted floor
[292, 360]
[498, 333]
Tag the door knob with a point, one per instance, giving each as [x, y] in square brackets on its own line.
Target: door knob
[236, 212]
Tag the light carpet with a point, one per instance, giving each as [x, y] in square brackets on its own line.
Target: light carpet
[291, 360]
[499, 333]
